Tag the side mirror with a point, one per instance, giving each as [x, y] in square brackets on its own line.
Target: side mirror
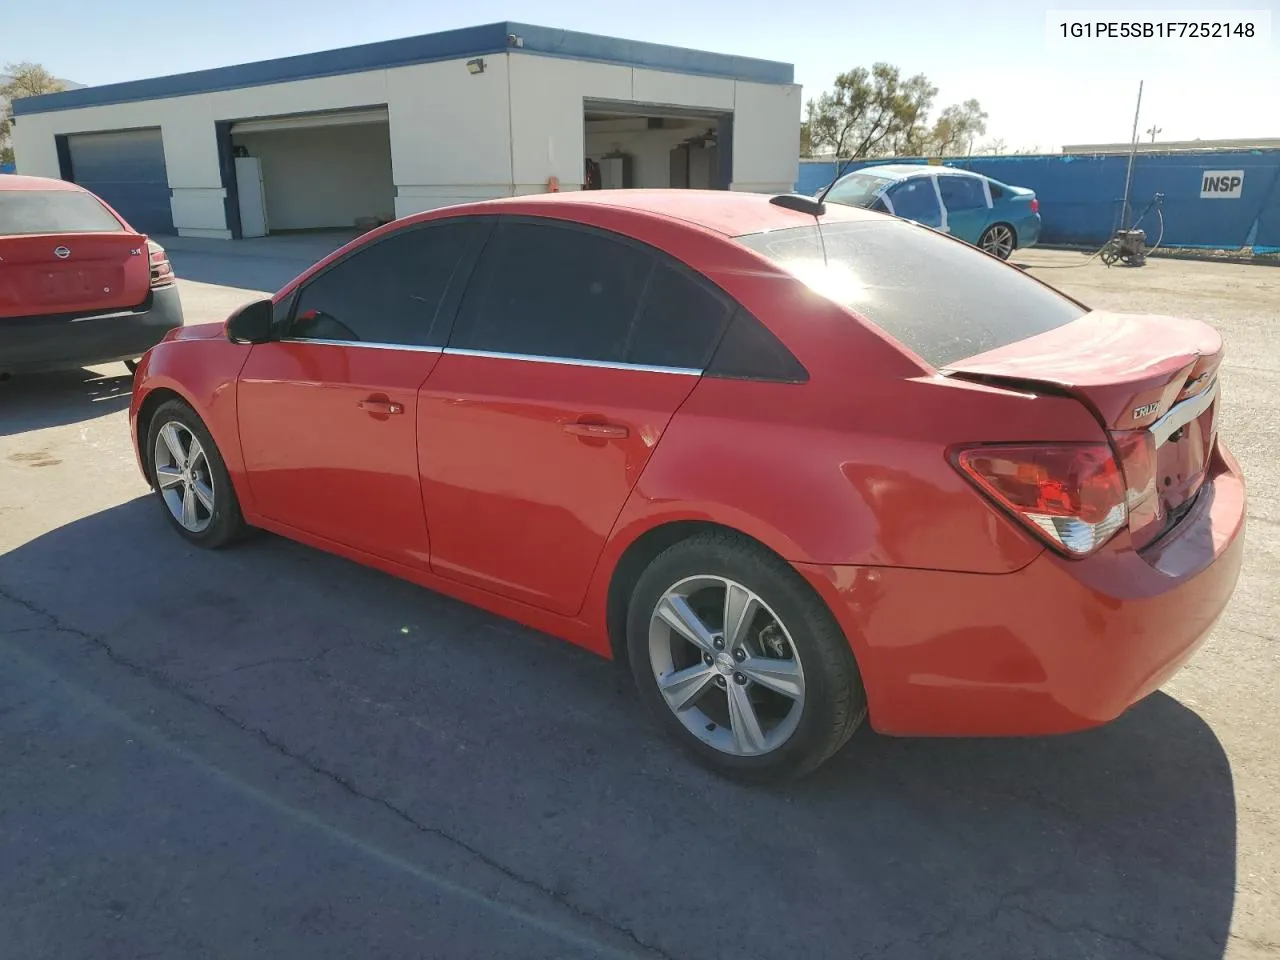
[252, 323]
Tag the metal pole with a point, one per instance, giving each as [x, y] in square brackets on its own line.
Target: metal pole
[1133, 149]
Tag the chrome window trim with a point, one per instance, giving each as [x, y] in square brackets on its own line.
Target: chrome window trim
[360, 343]
[1182, 414]
[573, 362]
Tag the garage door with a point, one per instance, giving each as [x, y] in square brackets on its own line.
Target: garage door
[126, 169]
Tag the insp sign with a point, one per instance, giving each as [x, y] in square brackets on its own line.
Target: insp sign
[1221, 184]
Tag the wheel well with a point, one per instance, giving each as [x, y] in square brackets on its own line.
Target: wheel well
[637, 557]
[148, 410]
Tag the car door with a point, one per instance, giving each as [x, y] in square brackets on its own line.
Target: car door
[916, 198]
[571, 351]
[327, 413]
[966, 204]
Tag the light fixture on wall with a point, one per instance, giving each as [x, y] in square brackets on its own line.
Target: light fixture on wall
[476, 65]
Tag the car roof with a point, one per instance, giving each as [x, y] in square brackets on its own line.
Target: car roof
[727, 212]
[902, 171]
[14, 181]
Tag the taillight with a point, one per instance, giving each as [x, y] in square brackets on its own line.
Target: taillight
[1035, 205]
[1071, 495]
[1137, 450]
[161, 268]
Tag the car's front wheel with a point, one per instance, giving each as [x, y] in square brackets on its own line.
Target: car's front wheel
[740, 660]
[190, 479]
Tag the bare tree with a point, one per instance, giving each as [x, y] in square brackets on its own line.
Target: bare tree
[868, 111]
[20, 80]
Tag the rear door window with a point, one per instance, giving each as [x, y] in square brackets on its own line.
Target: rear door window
[26, 212]
[962, 193]
[939, 297]
[556, 291]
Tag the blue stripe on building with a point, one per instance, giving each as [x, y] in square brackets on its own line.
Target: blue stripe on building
[484, 40]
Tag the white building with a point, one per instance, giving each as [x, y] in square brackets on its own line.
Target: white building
[389, 129]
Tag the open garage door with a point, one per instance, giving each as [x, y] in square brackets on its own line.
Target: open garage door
[126, 169]
[637, 145]
[315, 171]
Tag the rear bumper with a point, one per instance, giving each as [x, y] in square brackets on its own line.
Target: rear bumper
[1057, 646]
[1028, 231]
[35, 344]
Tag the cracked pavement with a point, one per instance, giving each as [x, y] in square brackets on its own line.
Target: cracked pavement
[270, 752]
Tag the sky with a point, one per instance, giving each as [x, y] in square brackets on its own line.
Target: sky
[1039, 92]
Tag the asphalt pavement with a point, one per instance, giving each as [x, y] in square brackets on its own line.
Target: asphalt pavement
[269, 752]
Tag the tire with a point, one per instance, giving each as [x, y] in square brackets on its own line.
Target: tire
[206, 479]
[792, 641]
[999, 240]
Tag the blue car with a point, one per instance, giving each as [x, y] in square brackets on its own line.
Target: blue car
[994, 216]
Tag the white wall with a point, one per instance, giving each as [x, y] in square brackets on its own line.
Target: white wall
[324, 176]
[651, 149]
[766, 137]
[455, 136]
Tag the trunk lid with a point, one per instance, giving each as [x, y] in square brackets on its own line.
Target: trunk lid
[72, 273]
[1152, 383]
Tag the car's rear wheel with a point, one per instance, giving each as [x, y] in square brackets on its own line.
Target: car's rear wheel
[998, 240]
[190, 479]
[740, 661]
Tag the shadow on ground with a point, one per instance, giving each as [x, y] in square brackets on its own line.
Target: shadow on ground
[38, 400]
[533, 755]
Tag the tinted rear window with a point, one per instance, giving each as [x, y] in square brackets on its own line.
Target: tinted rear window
[53, 211]
[943, 299]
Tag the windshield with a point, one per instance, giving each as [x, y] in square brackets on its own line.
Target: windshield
[939, 297]
[858, 189]
[53, 211]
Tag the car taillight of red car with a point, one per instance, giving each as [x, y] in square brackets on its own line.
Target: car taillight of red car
[161, 268]
[1035, 205]
[1073, 496]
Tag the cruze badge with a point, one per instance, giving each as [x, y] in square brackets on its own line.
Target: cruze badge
[62, 252]
[1145, 410]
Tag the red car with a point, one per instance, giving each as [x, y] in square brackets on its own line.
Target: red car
[799, 469]
[78, 285]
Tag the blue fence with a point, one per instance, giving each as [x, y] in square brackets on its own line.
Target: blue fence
[1081, 197]
[8, 168]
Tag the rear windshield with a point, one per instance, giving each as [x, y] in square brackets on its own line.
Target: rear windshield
[53, 211]
[858, 189]
[941, 298]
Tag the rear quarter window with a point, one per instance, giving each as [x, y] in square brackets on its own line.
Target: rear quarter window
[53, 211]
[941, 298]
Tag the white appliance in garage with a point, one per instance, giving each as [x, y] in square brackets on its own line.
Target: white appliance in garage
[253, 197]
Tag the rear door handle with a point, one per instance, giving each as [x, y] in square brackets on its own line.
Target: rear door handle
[383, 407]
[597, 431]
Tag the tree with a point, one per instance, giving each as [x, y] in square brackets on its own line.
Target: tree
[956, 129]
[23, 79]
[806, 135]
[994, 148]
[868, 111]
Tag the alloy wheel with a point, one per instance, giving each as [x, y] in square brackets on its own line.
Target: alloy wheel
[726, 666]
[183, 477]
[998, 241]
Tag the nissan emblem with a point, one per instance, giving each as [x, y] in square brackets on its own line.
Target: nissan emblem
[62, 252]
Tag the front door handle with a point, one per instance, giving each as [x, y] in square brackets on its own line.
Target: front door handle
[597, 431]
[383, 407]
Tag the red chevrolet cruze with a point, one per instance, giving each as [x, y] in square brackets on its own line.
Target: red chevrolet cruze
[799, 465]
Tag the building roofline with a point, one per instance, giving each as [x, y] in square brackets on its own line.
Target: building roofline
[488, 39]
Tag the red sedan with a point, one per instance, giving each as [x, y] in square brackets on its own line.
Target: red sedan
[78, 285]
[798, 466]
